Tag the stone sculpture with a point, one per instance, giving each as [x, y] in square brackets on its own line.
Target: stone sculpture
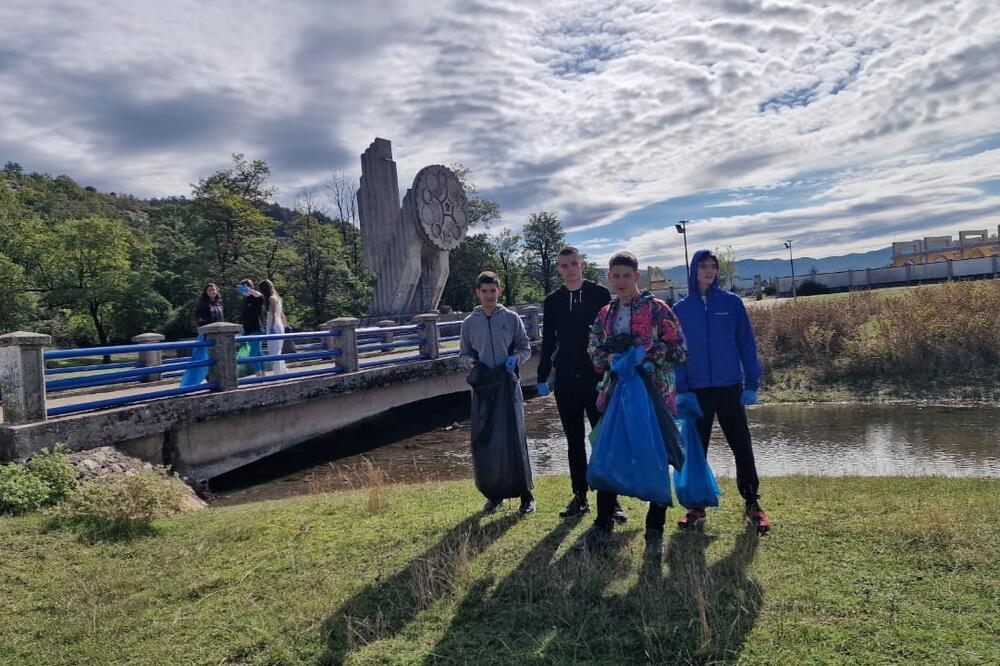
[407, 248]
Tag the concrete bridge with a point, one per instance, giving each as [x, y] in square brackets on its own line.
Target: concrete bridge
[230, 422]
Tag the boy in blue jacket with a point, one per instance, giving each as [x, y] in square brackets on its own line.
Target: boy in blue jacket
[721, 374]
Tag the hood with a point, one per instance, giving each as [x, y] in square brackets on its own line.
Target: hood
[693, 273]
[479, 312]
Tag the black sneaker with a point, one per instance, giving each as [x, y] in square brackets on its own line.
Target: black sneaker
[654, 545]
[527, 506]
[576, 506]
[619, 516]
[492, 505]
[594, 540]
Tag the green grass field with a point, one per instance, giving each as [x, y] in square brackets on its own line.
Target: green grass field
[856, 571]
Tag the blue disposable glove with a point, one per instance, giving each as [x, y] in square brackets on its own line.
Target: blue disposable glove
[649, 367]
[543, 389]
[640, 355]
[243, 289]
[511, 364]
[748, 397]
[687, 405]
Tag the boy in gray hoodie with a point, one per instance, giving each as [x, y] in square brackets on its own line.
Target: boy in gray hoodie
[494, 336]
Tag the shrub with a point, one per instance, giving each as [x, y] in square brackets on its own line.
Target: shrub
[54, 468]
[812, 288]
[20, 490]
[122, 506]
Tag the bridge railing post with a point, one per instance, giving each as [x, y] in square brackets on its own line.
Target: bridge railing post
[387, 338]
[149, 358]
[430, 346]
[344, 338]
[223, 352]
[22, 376]
[532, 324]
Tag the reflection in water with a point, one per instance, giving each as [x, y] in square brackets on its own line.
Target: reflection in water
[829, 440]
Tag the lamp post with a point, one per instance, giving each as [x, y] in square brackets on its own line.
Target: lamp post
[681, 228]
[791, 260]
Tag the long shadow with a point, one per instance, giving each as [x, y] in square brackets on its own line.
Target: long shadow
[542, 600]
[383, 608]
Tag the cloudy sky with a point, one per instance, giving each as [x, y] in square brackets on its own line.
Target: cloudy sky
[842, 125]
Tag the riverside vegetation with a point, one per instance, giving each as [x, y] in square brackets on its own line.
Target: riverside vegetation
[857, 571]
[938, 342]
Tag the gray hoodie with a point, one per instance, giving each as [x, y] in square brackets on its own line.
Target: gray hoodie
[488, 339]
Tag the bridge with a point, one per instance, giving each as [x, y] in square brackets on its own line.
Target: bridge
[345, 375]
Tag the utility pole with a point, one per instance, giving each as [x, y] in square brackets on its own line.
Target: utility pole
[791, 260]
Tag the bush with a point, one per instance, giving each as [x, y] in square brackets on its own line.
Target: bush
[812, 288]
[124, 506]
[20, 490]
[54, 468]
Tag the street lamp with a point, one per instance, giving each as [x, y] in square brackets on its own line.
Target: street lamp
[788, 244]
[681, 228]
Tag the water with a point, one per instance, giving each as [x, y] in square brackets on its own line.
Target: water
[824, 439]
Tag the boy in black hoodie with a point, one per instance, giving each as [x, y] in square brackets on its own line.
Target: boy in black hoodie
[568, 314]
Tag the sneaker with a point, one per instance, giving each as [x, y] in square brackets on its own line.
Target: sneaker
[594, 540]
[492, 505]
[654, 545]
[619, 516]
[756, 517]
[527, 506]
[576, 506]
[694, 519]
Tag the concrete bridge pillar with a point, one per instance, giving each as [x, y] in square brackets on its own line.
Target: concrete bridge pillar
[149, 358]
[387, 338]
[532, 324]
[22, 376]
[345, 339]
[429, 333]
[223, 352]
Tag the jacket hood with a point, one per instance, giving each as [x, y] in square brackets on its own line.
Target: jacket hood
[479, 312]
[693, 273]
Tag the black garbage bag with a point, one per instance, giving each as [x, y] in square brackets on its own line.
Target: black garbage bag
[499, 447]
[668, 427]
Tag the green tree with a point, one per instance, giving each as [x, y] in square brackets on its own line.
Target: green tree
[472, 256]
[510, 260]
[17, 305]
[543, 238]
[727, 267]
[481, 211]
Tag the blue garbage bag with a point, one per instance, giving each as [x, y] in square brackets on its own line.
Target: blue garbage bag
[629, 457]
[695, 483]
[195, 376]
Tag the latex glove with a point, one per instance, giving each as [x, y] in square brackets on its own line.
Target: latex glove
[640, 355]
[649, 367]
[543, 389]
[511, 364]
[748, 397]
[688, 403]
[243, 289]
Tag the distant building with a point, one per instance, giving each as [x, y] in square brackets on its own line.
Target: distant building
[970, 245]
[652, 278]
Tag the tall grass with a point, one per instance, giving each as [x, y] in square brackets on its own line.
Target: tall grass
[914, 335]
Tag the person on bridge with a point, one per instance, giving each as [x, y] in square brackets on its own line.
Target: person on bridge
[492, 338]
[253, 318]
[721, 376]
[208, 310]
[633, 318]
[568, 313]
[276, 323]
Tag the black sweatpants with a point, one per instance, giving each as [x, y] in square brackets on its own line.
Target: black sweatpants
[724, 402]
[656, 517]
[574, 401]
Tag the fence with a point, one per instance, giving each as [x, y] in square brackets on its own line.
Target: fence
[341, 347]
[890, 276]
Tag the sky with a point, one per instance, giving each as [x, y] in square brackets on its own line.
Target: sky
[840, 125]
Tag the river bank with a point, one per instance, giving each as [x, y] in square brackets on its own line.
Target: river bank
[865, 571]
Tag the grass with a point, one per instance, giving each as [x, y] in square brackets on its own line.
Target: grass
[856, 571]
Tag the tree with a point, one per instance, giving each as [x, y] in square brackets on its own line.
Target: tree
[509, 256]
[481, 211]
[590, 271]
[228, 212]
[472, 256]
[17, 306]
[342, 193]
[543, 238]
[727, 267]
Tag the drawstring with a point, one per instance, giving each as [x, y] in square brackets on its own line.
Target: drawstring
[579, 302]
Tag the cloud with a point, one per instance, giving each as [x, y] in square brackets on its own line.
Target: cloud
[618, 115]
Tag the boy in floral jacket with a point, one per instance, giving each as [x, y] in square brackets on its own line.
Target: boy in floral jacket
[633, 318]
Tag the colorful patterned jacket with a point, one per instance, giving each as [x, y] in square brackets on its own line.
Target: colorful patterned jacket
[654, 327]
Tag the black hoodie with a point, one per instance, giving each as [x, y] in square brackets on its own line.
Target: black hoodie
[567, 318]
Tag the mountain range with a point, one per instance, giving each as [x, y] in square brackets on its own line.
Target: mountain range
[771, 268]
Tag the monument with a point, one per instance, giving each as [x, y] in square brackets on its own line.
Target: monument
[407, 247]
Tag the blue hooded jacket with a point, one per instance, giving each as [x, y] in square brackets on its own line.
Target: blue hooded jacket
[721, 346]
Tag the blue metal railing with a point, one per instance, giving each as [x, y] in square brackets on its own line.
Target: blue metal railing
[127, 399]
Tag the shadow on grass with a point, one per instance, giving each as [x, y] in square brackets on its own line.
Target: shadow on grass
[382, 609]
[580, 609]
[97, 530]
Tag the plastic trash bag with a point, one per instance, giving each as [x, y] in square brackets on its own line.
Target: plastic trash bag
[499, 447]
[695, 483]
[629, 457]
[668, 428]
